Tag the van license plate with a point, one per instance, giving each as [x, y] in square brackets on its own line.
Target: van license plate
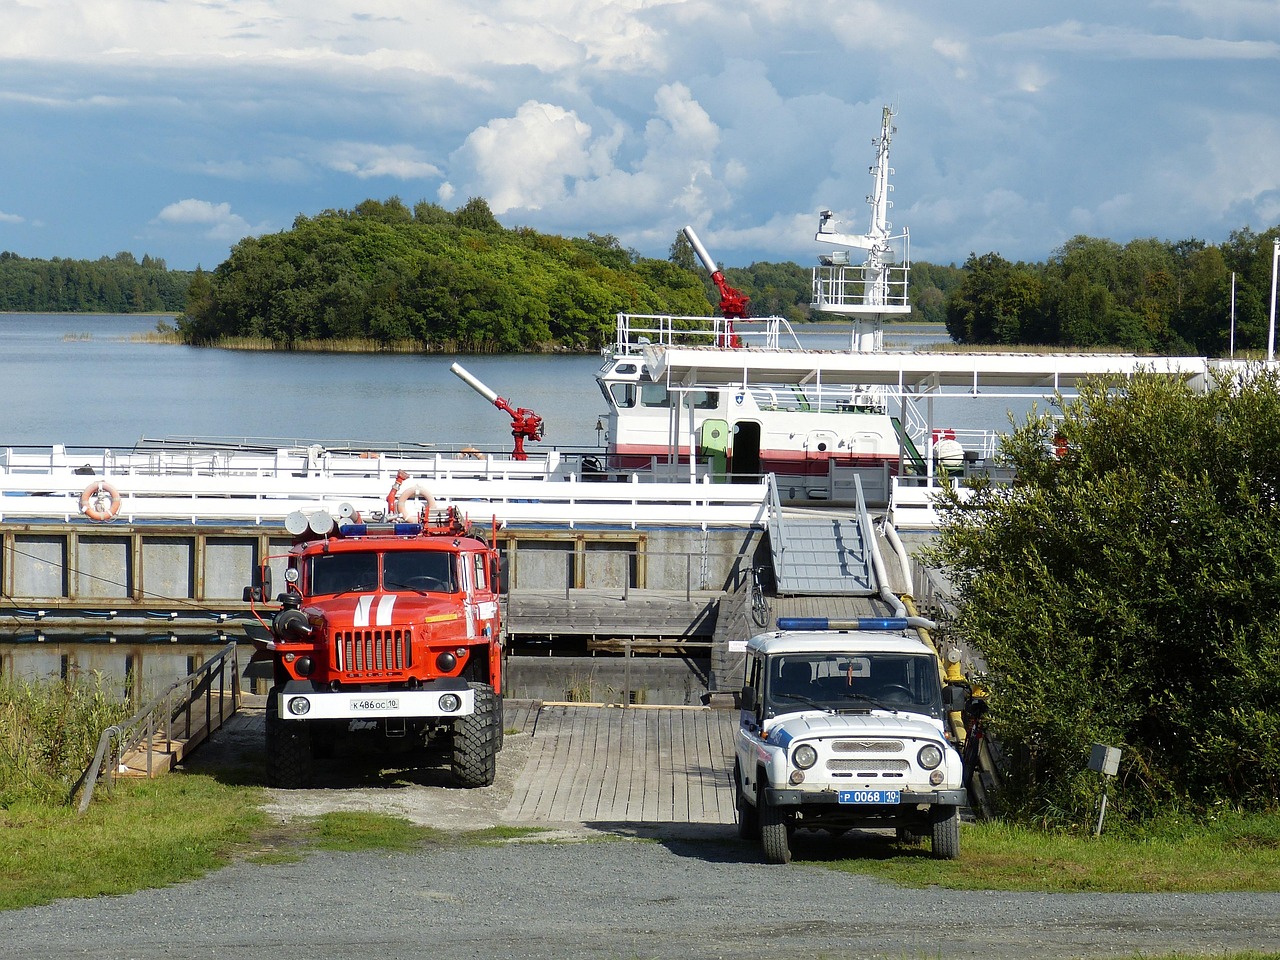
[869, 796]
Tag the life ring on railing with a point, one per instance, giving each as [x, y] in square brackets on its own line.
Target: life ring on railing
[414, 491]
[100, 501]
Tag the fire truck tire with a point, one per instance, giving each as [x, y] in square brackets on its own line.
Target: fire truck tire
[499, 720]
[748, 816]
[288, 750]
[475, 743]
[775, 831]
[946, 833]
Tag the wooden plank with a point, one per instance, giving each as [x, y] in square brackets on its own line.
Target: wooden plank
[681, 743]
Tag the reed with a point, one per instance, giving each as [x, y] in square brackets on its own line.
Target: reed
[157, 336]
[344, 345]
[49, 730]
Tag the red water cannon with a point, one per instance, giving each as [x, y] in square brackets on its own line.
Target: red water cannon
[734, 303]
[525, 424]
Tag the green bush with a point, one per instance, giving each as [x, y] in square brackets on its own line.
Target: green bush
[1127, 592]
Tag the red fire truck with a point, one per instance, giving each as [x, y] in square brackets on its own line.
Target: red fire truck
[387, 632]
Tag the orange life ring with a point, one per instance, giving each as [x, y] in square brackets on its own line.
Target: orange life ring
[471, 452]
[414, 491]
[100, 501]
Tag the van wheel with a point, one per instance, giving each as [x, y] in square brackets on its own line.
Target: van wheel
[748, 816]
[775, 830]
[946, 832]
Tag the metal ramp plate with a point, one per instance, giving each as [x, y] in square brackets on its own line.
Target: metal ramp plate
[822, 555]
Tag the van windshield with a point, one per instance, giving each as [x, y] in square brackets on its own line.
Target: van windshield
[843, 681]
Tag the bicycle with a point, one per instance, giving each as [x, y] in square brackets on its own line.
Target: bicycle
[759, 603]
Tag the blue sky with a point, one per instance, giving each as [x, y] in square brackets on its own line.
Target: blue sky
[177, 127]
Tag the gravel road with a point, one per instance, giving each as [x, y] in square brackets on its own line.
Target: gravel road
[625, 899]
[602, 891]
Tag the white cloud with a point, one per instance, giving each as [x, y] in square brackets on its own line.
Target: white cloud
[216, 219]
[1111, 42]
[526, 161]
[11, 218]
[365, 160]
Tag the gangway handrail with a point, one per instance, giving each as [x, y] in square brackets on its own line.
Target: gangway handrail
[159, 716]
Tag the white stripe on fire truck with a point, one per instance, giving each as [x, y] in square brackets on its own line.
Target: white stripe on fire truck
[385, 606]
[363, 605]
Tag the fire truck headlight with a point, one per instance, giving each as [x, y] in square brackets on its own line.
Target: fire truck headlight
[450, 702]
[445, 662]
[304, 666]
[805, 756]
[930, 756]
[299, 706]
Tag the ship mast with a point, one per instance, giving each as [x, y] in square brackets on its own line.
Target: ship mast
[877, 288]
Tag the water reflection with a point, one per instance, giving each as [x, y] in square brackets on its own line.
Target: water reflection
[142, 665]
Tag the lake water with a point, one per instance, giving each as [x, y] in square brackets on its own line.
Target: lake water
[80, 380]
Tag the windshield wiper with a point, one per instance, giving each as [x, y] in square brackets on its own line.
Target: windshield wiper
[874, 701]
[801, 697]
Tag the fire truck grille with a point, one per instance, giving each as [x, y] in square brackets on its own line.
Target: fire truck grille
[372, 653]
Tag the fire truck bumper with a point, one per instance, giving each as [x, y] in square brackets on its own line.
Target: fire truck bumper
[312, 705]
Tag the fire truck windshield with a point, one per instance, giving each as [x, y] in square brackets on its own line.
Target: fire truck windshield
[410, 571]
[419, 571]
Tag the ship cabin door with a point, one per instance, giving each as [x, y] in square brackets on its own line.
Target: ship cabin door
[715, 446]
[746, 450]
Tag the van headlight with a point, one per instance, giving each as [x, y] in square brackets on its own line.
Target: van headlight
[930, 756]
[805, 756]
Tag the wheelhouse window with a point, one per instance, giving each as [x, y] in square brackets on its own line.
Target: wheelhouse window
[654, 395]
[622, 395]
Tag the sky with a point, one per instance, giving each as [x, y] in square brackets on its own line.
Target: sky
[176, 128]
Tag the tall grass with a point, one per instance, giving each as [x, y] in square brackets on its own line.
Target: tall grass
[49, 730]
[343, 345]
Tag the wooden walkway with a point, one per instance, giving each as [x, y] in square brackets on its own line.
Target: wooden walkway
[593, 764]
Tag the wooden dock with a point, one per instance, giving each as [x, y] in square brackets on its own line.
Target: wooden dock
[596, 764]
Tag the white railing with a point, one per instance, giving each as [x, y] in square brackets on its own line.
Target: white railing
[635, 331]
[569, 500]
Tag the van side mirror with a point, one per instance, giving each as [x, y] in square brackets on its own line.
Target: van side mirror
[747, 698]
[954, 696]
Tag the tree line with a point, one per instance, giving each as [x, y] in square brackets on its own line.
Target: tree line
[386, 273]
[1148, 295]
[119, 284]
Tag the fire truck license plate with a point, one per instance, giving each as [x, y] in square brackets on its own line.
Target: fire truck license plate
[375, 704]
[869, 796]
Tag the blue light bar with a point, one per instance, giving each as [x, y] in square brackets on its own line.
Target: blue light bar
[825, 623]
[353, 529]
[408, 529]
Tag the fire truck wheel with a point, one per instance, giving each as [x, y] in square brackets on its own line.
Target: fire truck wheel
[748, 816]
[775, 831]
[946, 832]
[288, 749]
[498, 720]
[475, 743]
